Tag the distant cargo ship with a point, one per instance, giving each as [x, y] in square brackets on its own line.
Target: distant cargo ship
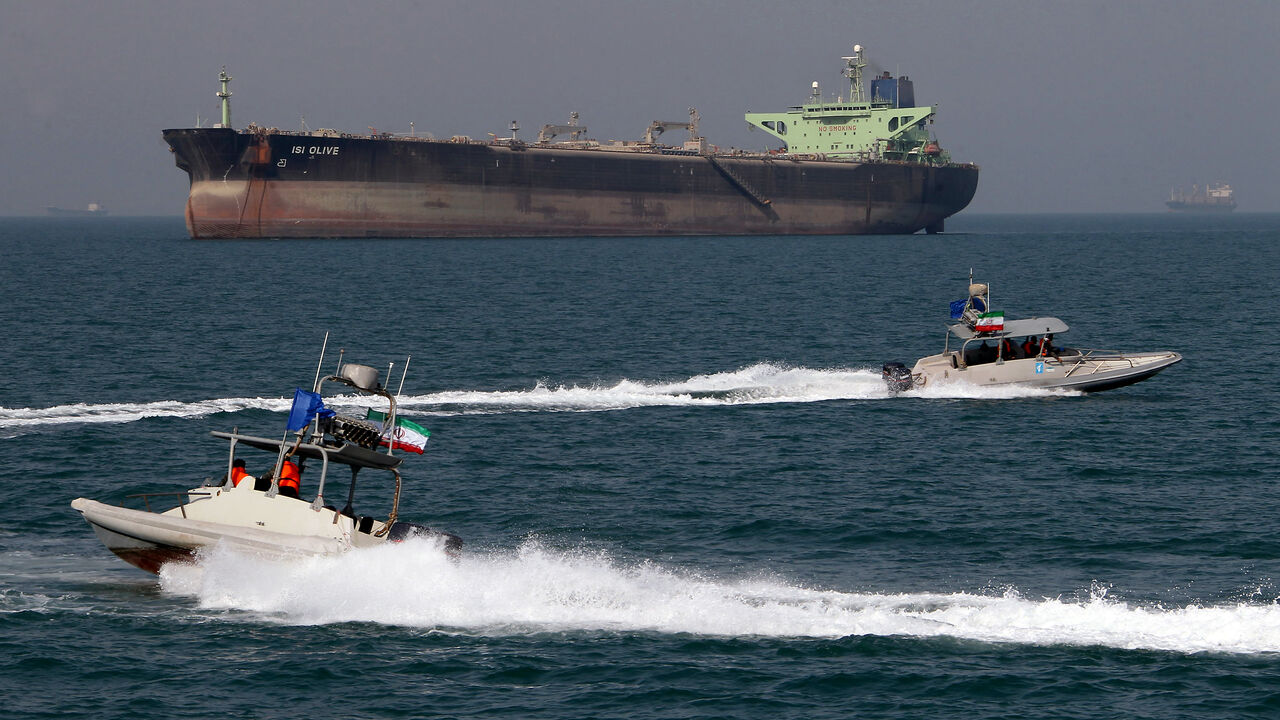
[1211, 198]
[93, 209]
[848, 165]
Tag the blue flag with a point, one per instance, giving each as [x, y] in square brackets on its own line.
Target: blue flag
[957, 307]
[306, 405]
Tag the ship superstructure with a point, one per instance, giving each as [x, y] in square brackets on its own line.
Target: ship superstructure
[849, 167]
[1218, 197]
[888, 125]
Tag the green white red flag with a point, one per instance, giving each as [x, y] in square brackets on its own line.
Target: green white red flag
[407, 435]
[990, 322]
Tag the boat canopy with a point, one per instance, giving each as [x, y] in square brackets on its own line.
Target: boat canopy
[1013, 328]
[345, 454]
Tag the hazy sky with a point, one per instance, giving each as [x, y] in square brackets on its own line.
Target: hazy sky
[1068, 105]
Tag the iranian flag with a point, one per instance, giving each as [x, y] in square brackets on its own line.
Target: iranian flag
[990, 322]
[407, 435]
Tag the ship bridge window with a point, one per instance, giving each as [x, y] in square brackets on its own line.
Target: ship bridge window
[893, 124]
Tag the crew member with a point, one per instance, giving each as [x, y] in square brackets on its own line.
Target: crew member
[290, 479]
[1006, 349]
[1049, 349]
[1029, 346]
[238, 472]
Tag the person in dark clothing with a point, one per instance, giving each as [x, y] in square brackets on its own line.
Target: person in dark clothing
[1049, 349]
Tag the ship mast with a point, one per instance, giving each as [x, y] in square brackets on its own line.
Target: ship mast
[224, 97]
[853, 71]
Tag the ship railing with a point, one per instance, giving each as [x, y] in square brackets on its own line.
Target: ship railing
[146, 498]
[1099, 360]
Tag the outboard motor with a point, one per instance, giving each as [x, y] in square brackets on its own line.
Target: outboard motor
[897, 376]
[401, 531]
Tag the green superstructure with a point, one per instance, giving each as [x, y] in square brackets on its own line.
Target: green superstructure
[887, 126]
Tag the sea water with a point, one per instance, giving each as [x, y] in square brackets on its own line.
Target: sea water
[683, 487]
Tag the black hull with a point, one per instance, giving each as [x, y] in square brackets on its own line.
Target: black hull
[276, 185]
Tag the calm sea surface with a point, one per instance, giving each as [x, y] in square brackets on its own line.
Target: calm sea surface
[684, 491]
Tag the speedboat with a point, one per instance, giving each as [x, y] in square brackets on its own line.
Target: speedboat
[266, 515]
[993, 351]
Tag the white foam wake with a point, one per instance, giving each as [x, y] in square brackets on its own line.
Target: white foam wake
[130, 412]
[537, 590]
[756, 384]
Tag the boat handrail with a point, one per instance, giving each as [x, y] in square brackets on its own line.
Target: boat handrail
[345, 454]
[1087, 357]
[146, 498]
[390, 420]
[1107, 354]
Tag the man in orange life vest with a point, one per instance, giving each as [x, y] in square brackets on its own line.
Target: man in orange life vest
[238, 473]
[1029, 347]
[1006, 349]
[290, 479]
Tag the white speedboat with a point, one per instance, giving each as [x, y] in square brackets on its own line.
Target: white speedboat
[259, 514]
[994, 351]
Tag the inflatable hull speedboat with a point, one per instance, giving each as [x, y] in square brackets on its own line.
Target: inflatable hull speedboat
[990, 351]
[1087, 370]
[266, 515]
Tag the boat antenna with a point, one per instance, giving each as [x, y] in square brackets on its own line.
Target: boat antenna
[315, 384]
[389, 423]
[341, 352]
[403, 373]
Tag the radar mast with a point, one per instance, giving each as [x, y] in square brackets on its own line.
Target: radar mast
[224, 97]
[853, 71]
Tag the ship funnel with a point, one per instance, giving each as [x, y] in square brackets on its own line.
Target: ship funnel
[362, 376]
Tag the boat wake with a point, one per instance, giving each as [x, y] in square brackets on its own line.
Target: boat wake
[762, 383]
[756, 384]
[536, 590]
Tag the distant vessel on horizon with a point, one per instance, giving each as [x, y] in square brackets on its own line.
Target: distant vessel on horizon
[93, 209]
[1210, 198]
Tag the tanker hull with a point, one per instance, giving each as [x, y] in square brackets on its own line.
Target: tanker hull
[262, 185]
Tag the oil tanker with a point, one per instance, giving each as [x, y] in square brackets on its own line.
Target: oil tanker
[1211, 198]
[847, 165]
